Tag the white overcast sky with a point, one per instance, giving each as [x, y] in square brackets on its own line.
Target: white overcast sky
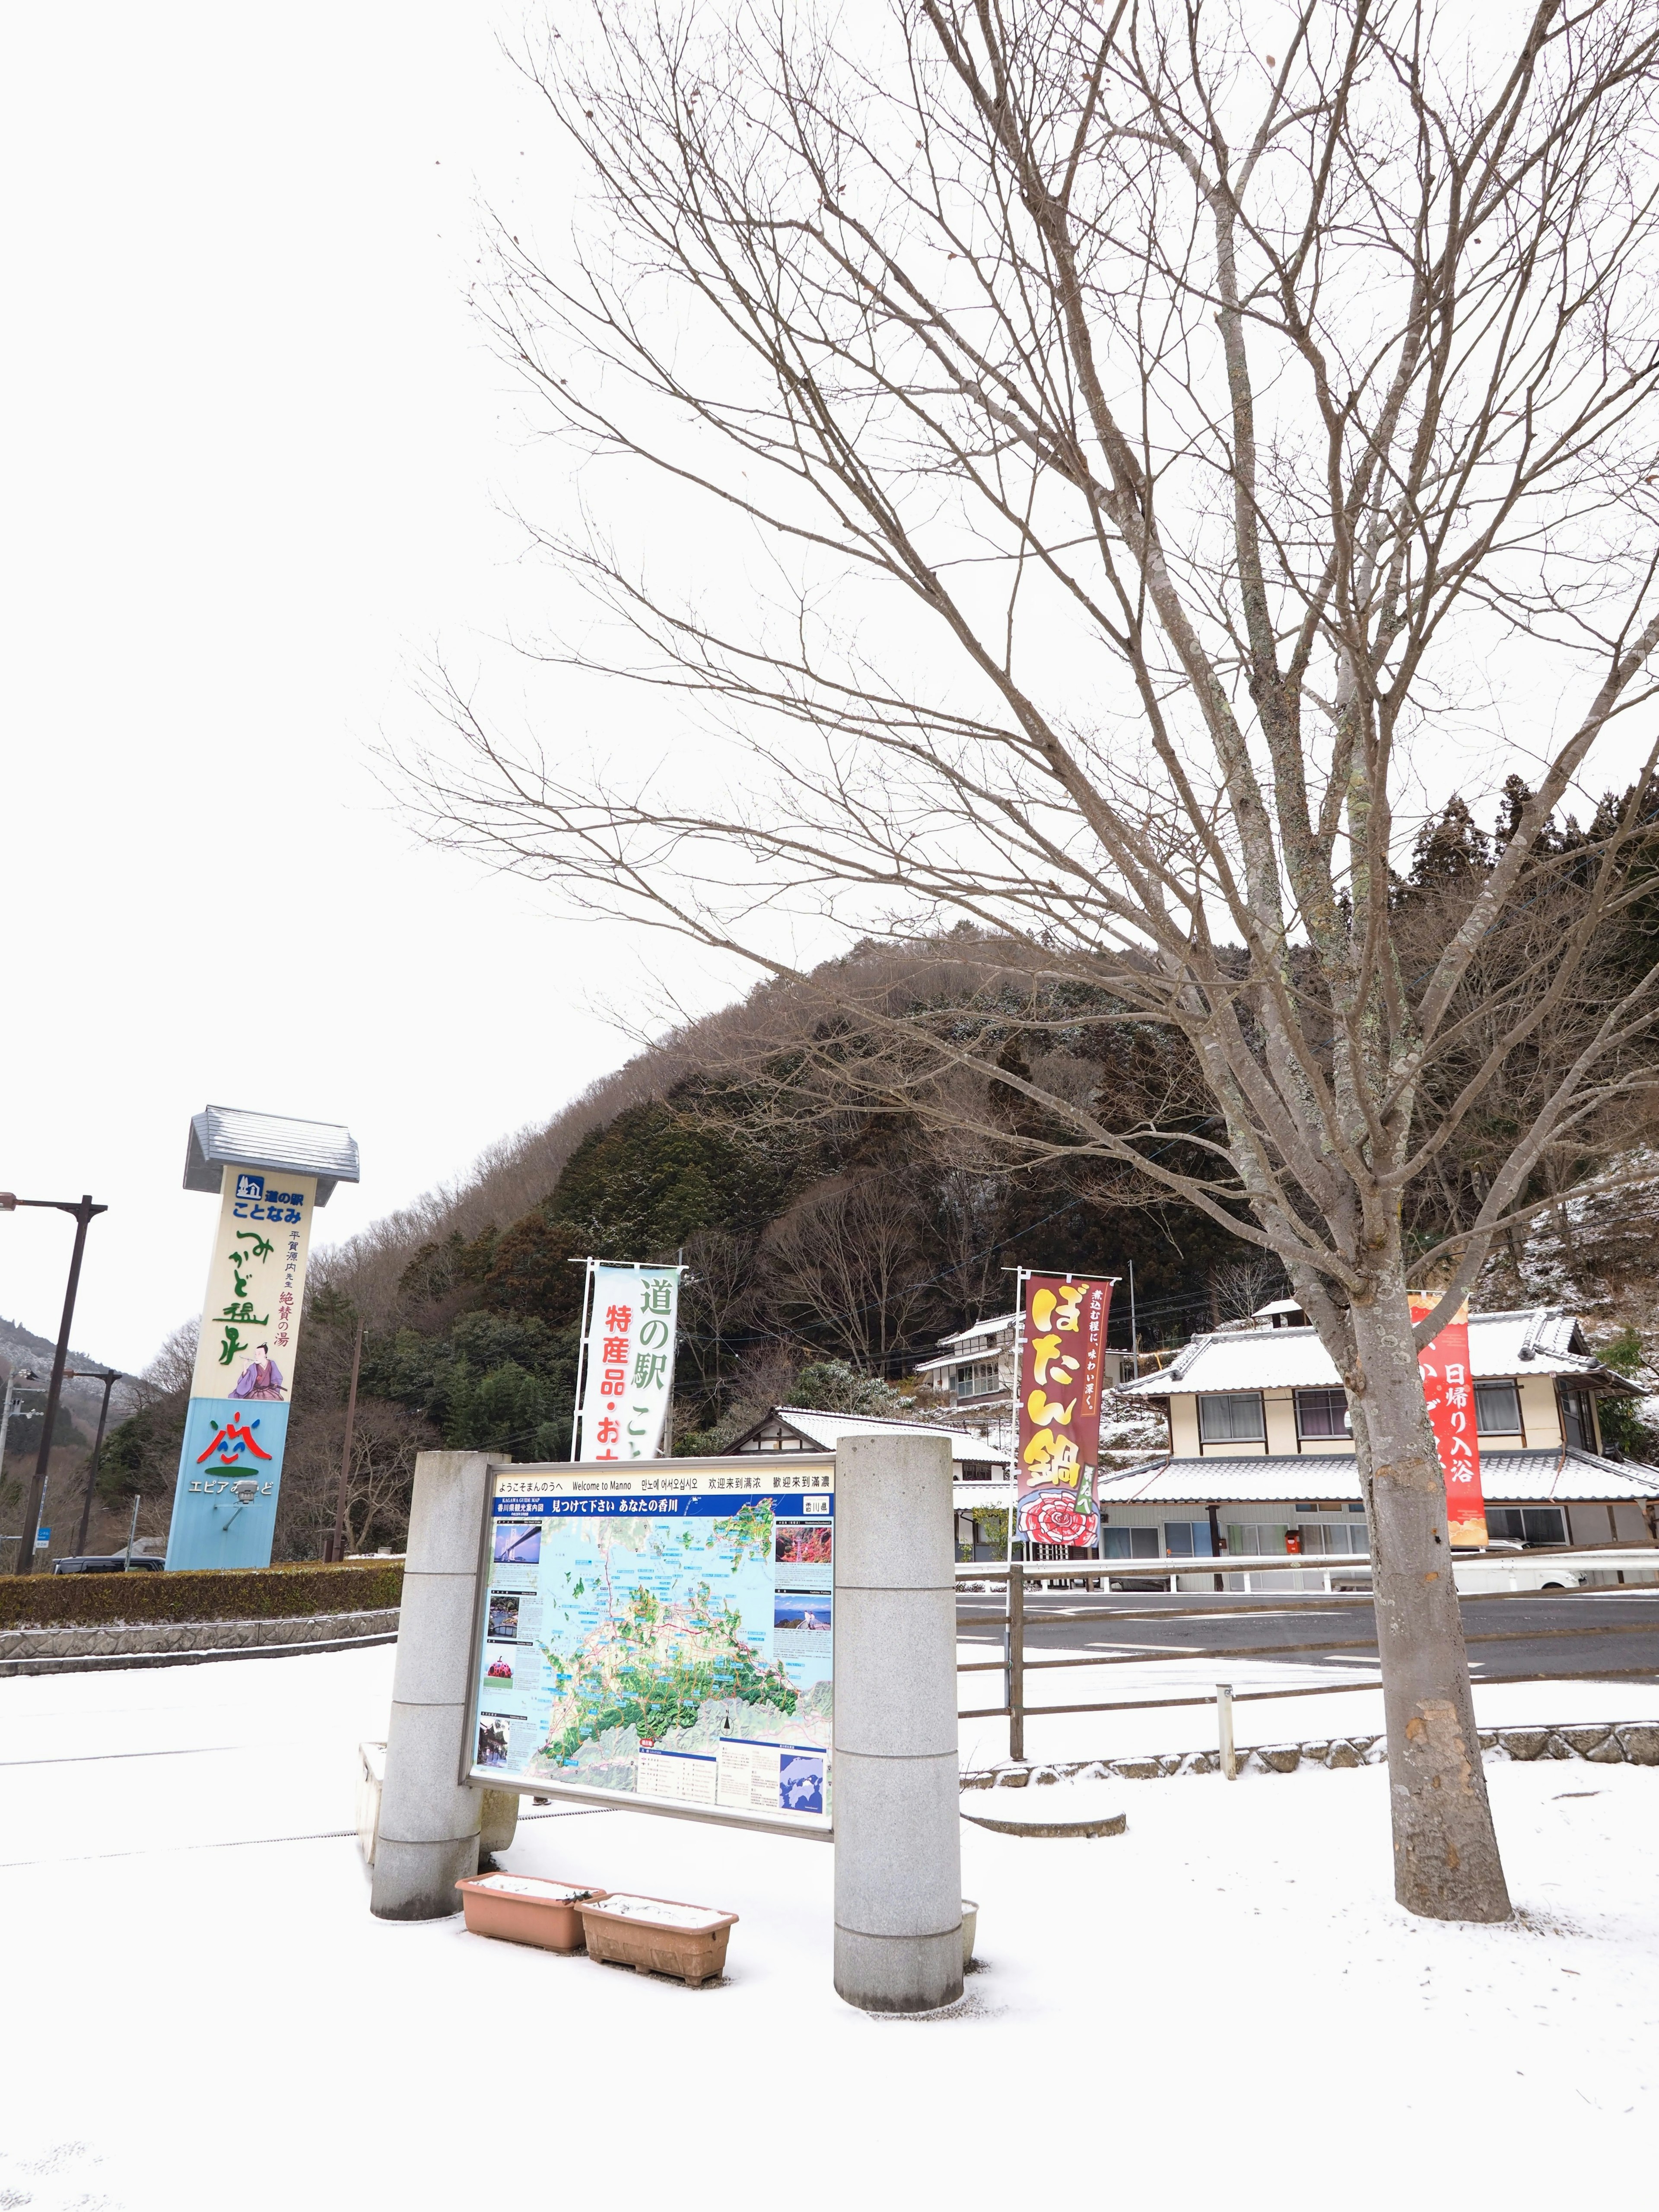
[256, 456]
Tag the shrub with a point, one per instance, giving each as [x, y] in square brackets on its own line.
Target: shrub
[213, 1594]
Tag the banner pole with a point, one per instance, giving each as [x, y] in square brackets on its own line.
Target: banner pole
[581, 1362]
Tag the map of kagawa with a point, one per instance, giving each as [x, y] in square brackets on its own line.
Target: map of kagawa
[659, 1635]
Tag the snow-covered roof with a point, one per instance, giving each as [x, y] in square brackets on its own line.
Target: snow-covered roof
[970, 1344]
[1540, 1340]
[236, 1137]
[822, 1432]
[1516, 1478]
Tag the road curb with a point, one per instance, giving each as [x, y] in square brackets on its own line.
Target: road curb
[1604, 1743]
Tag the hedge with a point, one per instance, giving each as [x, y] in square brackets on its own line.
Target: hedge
[43, 1600]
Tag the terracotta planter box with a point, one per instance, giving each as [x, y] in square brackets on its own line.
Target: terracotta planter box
[654, 1936]
[522, 1908]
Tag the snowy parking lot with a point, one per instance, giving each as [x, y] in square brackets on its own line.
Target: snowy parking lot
[1223, 2004]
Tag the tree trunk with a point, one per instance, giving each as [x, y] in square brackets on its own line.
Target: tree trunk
[1446, 1863]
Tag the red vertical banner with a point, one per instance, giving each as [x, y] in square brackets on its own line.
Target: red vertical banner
[1449, 1392]
[1061, 1363]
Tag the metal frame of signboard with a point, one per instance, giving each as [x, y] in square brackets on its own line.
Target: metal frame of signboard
[764, 1466]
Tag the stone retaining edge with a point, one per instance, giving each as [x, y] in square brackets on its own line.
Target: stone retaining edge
[80, 1649]
[1634, 1743]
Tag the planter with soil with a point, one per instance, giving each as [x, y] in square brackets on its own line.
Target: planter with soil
[656, 1936]
[522, 1908]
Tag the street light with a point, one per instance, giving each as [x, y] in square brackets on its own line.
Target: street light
[84, 1211]
[109, 1382]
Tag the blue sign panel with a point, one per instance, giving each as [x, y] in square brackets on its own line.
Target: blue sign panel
[224, 1511]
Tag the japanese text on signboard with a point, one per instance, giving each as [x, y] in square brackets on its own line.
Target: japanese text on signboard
[1449, 1392]
[1061, 1361]
[628, 1381]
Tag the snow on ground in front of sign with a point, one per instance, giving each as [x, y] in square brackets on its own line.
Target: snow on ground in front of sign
[1228, 1988]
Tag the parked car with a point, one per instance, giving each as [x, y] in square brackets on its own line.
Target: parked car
[1485, 1572]
[113, 1563]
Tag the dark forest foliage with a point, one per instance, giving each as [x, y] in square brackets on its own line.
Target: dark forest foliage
[830, 1246]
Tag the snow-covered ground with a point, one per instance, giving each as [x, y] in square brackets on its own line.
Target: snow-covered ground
[1221, 2006]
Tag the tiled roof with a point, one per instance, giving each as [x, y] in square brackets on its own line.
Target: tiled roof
[1540, 1340]
[235, 1137]
[1521, 1478]
[824, 1431]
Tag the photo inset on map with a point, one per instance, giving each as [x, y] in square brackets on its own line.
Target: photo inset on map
[518, 1543]
[492, 1741]
[807, 1611]
[503, 1618]
[802, 1543]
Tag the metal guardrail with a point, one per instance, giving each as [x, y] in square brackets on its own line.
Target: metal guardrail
[1014, 1666]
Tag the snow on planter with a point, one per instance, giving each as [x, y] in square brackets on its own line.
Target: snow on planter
[656, 1936]
[522, 1908]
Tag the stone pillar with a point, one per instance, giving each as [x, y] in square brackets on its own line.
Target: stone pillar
[898, 1849]
[429, 1819]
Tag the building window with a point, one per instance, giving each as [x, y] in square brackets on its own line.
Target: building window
[1130, 1543]
[1234, 1419]
[1577, 1420]
[1527, 1524]
[1322, 1414]
[1256, 1540]
[976, 1382]
[1348, 1537]
[1497, 1409]
[1187, 1539]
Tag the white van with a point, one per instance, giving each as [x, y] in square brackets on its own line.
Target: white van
[1480, 1574]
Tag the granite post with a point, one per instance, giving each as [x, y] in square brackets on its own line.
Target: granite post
[898, 1849]
[429, 1819]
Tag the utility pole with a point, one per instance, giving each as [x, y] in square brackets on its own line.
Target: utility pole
[84, 1211]
[1134, 1334]
[109, 1382]
[336, 1542]
[21, 1380]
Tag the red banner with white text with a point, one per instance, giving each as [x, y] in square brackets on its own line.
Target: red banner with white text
[1449, 1392]
[1061, 1369]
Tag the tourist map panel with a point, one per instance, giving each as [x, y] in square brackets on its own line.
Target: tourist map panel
[665, 1634]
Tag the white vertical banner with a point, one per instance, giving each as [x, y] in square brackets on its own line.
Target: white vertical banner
[628, 1363]
[256, 1287]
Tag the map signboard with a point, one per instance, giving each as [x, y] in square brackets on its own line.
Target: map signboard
[663, 1638]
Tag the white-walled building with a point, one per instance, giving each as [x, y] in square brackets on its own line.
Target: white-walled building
[977, 1368]
[1261, 1456]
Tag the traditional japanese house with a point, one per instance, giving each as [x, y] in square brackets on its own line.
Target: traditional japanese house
[1261, 1456]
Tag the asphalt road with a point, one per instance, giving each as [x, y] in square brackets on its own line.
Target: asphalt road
[1610, 1631]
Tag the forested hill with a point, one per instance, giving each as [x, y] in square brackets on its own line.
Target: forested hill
[829, 1243]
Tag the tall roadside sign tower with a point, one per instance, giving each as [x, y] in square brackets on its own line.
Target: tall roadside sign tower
[271, 1175]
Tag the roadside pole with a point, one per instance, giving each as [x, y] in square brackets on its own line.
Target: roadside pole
[898, 1846]
[1223, 1721]
[429, 1819]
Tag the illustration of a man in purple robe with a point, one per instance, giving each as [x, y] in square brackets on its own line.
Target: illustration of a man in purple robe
[261, 1378]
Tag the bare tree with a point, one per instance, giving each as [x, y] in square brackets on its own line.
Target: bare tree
[843, 1267]
[1160, 449]
[1242, 1287]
